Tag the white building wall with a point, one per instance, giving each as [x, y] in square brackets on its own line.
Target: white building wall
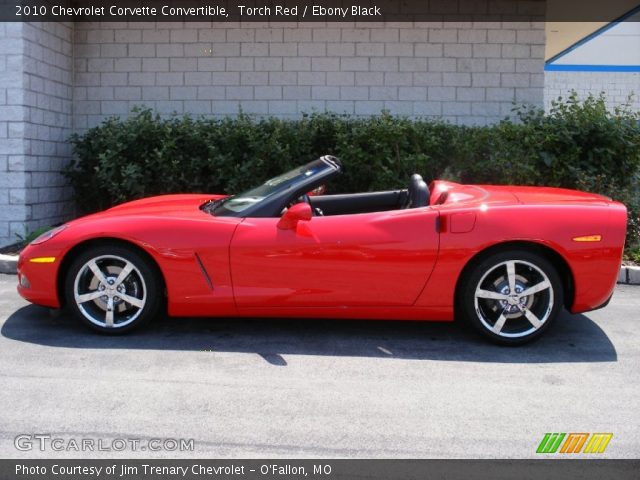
[462, 72]
[617, 86]
[35, 122]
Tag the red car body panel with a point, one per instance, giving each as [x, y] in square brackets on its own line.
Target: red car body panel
[396, 264]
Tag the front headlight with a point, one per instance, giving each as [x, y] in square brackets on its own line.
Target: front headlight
[48, 235]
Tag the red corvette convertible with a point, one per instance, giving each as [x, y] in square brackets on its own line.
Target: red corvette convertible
[506, 259]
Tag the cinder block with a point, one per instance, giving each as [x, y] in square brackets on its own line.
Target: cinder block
[211, 93]
[312, 78]
[239, 93]
[267, 64]
[326, 35]
[177, 50]
[182, 93]
[474, 94]
[332, 50]
[441, 94]
[441, 65]
[516, 51]
[501, 36]
[341, 78]
[398, 79]
[427, 79]
[283, 78]
[412, 93]
[155, 64]
[268, 93]
[354, 93]
[256, 107]
[142, 50]
[413, 64]
[269, 35]
[514, 80]
[222, 78]
[128, 65]
[383, 93]
[369, 107]
[210, 64]
[429, 50]
[298, 64]
[283, 49]
[340, 106]
[456, 79]
[529, 66]
[128, 35]
[280, 107]
[354, 64]
[169, 79]
[532, 37]
[386, 64]
[254, 78]
[370, 49]
[325, 93]
[296, 93]
[485, 79]
[197, 78]
[456, 108]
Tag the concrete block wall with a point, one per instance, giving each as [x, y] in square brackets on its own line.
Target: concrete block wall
[48, 93]
[13, 210]
[35, 122]
[463, 72]
[617, 86]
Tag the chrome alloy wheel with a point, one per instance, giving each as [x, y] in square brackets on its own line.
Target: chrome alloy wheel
[513, 299]
[109, 291]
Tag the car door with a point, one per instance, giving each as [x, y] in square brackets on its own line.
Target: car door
[371, 259]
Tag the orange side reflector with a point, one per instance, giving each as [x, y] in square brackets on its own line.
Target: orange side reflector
[42, 260]
[588, 238]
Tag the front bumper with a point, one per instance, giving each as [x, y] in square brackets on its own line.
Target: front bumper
[37, 281]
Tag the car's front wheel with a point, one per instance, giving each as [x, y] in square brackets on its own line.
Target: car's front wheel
[113, 289]
[511, 297]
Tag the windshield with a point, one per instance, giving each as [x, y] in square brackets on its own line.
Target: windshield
[239, 203]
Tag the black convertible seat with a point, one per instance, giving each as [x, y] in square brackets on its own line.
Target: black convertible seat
[418, 192]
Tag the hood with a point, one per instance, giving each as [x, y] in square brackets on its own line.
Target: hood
[180, 205]
[163, 204]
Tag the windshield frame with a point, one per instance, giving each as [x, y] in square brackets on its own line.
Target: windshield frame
[284, 191]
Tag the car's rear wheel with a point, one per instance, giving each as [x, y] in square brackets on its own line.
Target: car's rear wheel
[511, 297]
[113, 289]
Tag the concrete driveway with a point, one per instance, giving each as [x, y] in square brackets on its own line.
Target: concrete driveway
[307, 388]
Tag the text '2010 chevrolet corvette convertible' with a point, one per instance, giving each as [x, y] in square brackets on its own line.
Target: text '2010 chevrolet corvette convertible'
[506, 259]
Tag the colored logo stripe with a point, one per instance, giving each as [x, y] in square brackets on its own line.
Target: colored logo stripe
[598, 443]
[574, 443]
[550, 443]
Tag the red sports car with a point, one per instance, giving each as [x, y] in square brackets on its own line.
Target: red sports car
[506, 259]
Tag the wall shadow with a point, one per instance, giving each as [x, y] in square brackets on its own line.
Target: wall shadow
[575, 338]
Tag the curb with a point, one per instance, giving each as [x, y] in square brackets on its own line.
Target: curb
[627, 275]
[8, 263]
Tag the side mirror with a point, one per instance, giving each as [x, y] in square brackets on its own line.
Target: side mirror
[300, 212]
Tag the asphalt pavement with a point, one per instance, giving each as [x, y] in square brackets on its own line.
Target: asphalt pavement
[313, 388]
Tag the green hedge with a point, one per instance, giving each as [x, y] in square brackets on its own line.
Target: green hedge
[577, 145]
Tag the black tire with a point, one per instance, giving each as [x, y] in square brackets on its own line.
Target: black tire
[142, 286]
[511, 319]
